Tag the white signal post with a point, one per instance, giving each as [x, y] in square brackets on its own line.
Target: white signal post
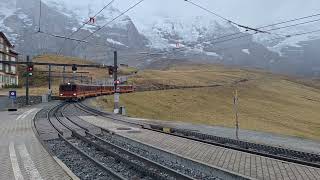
[116, 97]
[235, 106]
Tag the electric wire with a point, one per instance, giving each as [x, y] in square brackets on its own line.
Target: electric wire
[271, 25]
[85, 23]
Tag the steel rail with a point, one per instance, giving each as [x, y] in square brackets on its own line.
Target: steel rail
[143, 169]
[60, 133]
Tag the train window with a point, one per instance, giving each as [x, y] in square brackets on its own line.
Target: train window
[67, 87]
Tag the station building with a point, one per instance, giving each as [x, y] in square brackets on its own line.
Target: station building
[8, 73]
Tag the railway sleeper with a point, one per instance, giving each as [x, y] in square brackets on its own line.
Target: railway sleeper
[134, 164]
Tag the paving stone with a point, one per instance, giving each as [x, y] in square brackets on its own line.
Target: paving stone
[33, 161]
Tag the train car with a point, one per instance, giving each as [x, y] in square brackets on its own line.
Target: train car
[72, 91]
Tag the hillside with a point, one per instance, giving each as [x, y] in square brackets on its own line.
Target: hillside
[267, 102]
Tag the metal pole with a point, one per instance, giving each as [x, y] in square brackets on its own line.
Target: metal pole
[74, 76]
[64, 74]
[115, 75]
[49, 79]
[115, 67]
[235, 103]
[27, 83]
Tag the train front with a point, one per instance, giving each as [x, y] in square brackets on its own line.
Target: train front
[68, 91]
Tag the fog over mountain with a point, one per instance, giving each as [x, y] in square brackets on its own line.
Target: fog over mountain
[175, 29]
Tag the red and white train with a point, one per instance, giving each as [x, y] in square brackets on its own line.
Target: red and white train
[72, 91]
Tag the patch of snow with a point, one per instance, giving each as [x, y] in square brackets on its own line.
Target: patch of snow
[83, 10]
[288, 42]
[212, 54]
[25, 18]
[158, 42]
[278, 42]
[6, 10]
[22, 16]
[190, 30]
[246, 51]
[115, 42]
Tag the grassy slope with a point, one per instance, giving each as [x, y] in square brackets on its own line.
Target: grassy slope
[268, 102]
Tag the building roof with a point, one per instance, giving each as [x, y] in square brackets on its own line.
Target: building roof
[5, 38]
[14, 52]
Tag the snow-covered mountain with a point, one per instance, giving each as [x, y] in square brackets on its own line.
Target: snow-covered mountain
[290, 34]
[204, 39]
[20, 21]
[199, 38]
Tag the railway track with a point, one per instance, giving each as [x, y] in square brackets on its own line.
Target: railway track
[114, 161]
[299, 157]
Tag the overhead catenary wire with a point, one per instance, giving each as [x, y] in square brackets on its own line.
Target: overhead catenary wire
[248, 43]
[293, 25]
[298, 34]
[85, 23]
[271, 25]
[226, 19]
[250, 34]
[63, 37]
[256, 30]
[40, 31]
[112, 20]
[273, 39]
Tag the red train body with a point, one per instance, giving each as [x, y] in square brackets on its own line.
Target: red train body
[72, 91]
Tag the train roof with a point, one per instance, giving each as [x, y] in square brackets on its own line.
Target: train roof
[95, 85]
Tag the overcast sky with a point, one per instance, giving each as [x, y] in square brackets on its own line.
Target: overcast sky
[250, 12]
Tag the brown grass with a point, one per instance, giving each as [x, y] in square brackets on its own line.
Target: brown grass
[268, 103]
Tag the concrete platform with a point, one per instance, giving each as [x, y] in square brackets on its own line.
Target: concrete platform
[272, 139]
[4, 103]
[22, 156]
[254, 166]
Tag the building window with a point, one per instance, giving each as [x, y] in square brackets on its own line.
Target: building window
[13, 59]
[7, 68]
[1, 78]
[13, 69]
[5, 79]
[1, 40]
[7, 58]
[14, 81]
[7, 49]
[1, 66]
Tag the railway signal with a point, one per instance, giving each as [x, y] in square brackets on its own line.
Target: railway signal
[74, 67]
[74, 70]
[111, 71]
[30, 70]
